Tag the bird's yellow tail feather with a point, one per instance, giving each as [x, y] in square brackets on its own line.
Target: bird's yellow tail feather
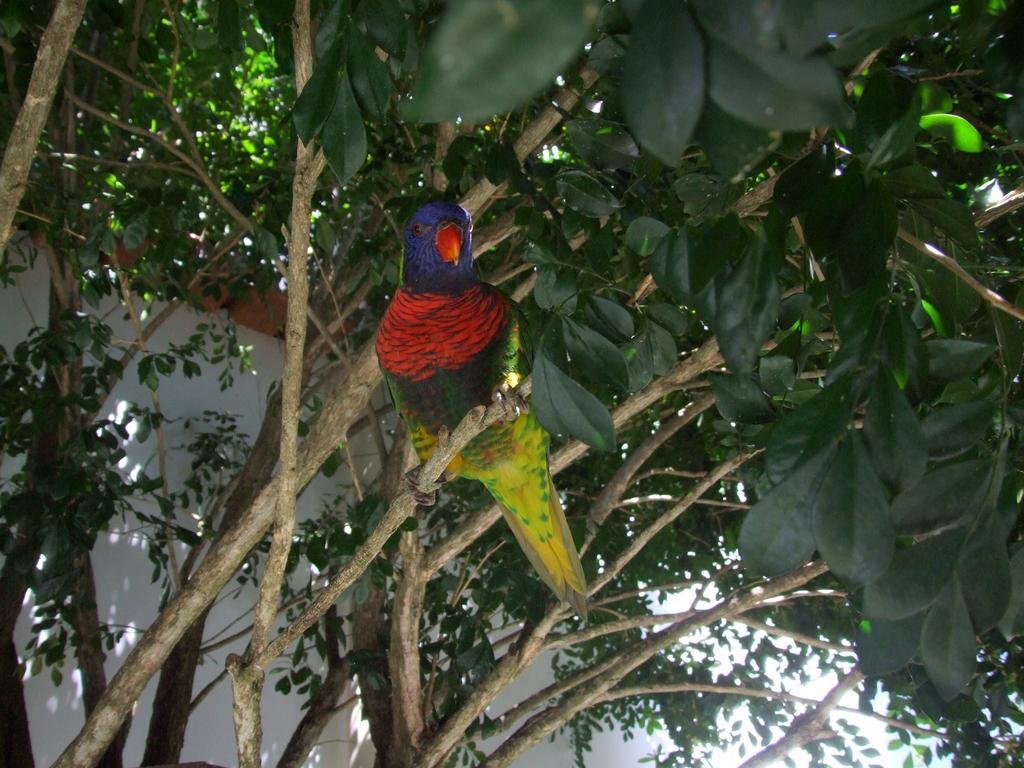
[544, 536]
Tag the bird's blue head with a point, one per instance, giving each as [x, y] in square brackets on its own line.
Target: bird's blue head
[439, 250]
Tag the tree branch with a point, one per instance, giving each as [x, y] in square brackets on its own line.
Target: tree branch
[811, 726]
[948, 262]
[566, 99]
[638, 542]
[401, 508]
[24, 136]
[797, 637]
[629, 659]
[248, 676]
[404, 654]
[685, 371]
[623, 476]
[759, 693]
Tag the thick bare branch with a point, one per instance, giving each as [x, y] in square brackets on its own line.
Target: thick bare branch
[309, 164]
[342, 407]
[404, 654]
[811, 726]
[402, 507]
[21, 144]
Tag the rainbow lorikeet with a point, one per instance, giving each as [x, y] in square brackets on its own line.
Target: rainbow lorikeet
[450, 342]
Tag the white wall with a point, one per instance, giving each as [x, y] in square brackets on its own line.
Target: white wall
[127, 597]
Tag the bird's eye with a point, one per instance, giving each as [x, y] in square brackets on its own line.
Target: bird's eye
[418, 229]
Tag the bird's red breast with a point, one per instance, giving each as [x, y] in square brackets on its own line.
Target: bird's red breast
[424, 332]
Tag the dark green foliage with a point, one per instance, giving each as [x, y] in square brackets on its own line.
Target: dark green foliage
[733, 177]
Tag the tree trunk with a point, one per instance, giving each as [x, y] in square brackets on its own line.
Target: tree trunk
[370, 633]
[324, 703]
[91, 656]
[172, 705]
[56, 425]
[370, 628]
[173, 700]
[15, 739]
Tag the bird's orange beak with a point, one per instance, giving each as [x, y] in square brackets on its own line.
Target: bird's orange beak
[449, 242]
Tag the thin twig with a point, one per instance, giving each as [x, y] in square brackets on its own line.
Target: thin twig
[948, 262]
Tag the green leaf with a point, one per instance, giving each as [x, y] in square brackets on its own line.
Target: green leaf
[704, 195]
[944, 497]
[585, 194]
[602, 143]
[1012, 622]
[811, 429]
[951, 430]
[739, 399]
[883, 103]
[333, 20]
[1010, 334]
[229, 26]
[563, 407]
[956, 130]
[807, 26]
[885, 646]
[266, 244]
[488, 56]
[984, 573]
[369, 75]
[747, 302]
[898, 140]
[914, 580]
[911, 182]
[953, 359]
[903, 351]
[663, 348]
[777, 535]
[609, 318]
[386, 26]
[894, 434]
[670, 265]
[644, 234]
[951, 216]
[773, 89]
[597, 357]
[934, 98]
[852, 222]
[316, 101]
[799, 186]
[639, 362]
[733, 146]
[663, 79]
[851, 516]
[555, 290]
[777, 374]
[947, 643]
[344, 136]
[673, 319]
